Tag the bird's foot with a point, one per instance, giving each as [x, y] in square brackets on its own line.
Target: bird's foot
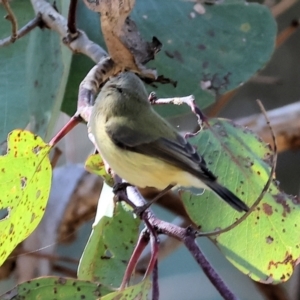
[121, 186]
[140, 210]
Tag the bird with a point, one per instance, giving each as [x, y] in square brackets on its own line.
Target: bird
[142, 147]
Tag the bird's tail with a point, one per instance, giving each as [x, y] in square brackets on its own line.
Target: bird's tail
[227, 196]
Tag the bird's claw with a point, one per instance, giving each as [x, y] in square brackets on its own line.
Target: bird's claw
[121, 186]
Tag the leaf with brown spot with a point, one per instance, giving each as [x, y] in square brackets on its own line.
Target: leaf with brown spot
[266, 244]
[94, 164]
[139, 291]
[58, 288]
[202, 57]
[25, 185]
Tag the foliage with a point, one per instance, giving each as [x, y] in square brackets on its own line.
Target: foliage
[208, 52]
[243, 163]
[57, 287]
[25, 185]
[212, 46]
[104, 254]
[33, 79]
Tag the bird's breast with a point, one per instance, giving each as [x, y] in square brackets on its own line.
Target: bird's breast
[138, 169]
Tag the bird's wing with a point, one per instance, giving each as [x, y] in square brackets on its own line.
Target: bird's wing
[178, 151]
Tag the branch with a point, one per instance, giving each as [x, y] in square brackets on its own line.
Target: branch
[23, 31]
[223, 100]
[72, 19]
[12, 18]
[188, 100]
[89, 86]
[212, 275]
[133, 198]
[187, 236]
[139, 248]
[167, 246]
[56, 155]
[75, 120]
[281, 7]
[55, 21]
[286, 33]
[285, 123]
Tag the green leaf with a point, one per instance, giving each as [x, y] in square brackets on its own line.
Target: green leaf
[265, 245]
[25, 185]
[34, 72]
[94, 164]
[226, 45]
[111, 242]
[59, 288]
[139, 291]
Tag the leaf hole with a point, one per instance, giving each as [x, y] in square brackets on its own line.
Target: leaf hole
[23, 182]
[107, 255]
[4, 212]
[36, 149]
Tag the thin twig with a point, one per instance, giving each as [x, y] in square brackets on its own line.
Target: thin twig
[187, 236]
[188, 100]
[72, 18]
[23, 31]
[287, 32]
[285, 123]
[75, 120]
[154, 240]
[55, 21]
[89, 86]
[56, 155]
[265, 79]
[50, 257]
[210, 272]
[155, 287]
[182, 235]
[215, 109]
[167, 245]
[281, 7]
[12, 18]
[140, 246]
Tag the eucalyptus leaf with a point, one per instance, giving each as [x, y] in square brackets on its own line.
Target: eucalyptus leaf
[33, 72]
[59, 288]
[111, 242]
[219, 49]
[265, 245]
[25, 179]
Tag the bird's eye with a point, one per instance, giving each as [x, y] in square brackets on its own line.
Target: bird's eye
[120, 90]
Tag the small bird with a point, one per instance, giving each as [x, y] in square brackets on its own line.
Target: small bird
[142, 147]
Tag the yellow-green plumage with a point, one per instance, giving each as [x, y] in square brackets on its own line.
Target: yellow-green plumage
[141, 147]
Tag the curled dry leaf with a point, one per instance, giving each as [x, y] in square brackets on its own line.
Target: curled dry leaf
[123, 40]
